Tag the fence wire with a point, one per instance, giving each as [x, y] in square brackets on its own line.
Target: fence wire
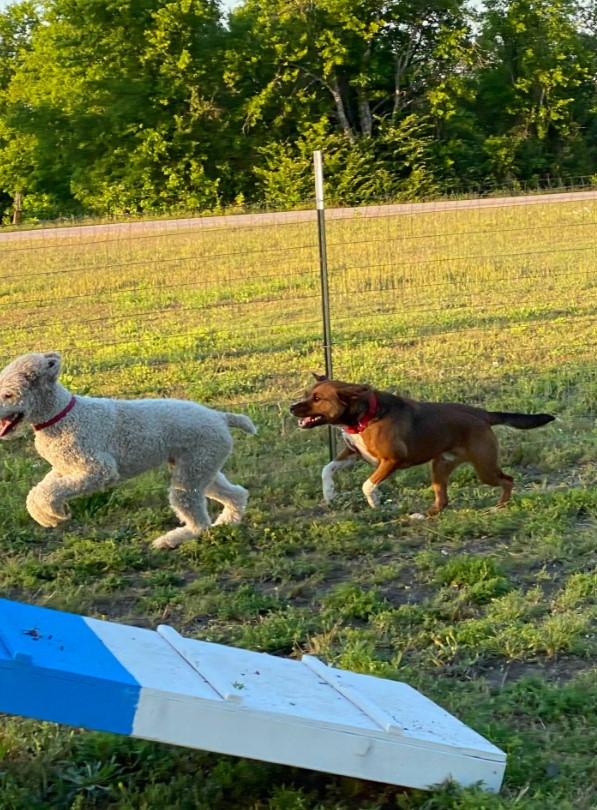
[488, 301]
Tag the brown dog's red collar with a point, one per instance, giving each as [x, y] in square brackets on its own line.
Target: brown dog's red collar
[58, 416]
[363, 423]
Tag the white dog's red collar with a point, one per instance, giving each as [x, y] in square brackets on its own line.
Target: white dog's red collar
[371, 410]
[58, 416]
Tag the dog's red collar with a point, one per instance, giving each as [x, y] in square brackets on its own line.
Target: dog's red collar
[58, 416]
[364, 422]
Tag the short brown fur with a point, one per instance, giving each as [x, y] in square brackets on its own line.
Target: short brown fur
[404, 433]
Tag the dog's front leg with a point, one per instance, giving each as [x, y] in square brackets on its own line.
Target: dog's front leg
[47, 502]
[385, 468]
[345, 458]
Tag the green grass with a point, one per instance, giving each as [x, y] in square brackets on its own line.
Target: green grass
[492, 615]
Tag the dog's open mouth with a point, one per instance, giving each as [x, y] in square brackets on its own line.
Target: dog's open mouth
[9, 423]
[311, 421]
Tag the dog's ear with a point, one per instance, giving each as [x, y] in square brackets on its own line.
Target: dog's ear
[349, 393]
[45, 367]
[320, 377]
[53, 362]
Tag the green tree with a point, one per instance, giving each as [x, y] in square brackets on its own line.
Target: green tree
[352, 78]
[114, 106]
[537, 66]
[355, 61]
[397, 163]
[121, 98]
[17, 24]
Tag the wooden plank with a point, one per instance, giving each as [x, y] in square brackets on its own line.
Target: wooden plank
[164, 687]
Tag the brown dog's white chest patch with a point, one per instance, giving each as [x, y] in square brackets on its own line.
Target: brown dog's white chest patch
[356, 442]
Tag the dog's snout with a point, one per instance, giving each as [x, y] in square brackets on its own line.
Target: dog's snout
[294, 406]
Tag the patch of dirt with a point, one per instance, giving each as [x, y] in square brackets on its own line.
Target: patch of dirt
[556, 671]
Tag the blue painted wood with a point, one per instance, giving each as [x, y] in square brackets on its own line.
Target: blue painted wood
[53, 667]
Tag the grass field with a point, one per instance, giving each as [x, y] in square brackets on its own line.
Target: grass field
[492, 615]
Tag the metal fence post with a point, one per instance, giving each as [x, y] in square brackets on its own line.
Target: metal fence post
[323, 272]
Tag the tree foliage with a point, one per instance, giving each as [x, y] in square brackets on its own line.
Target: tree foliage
[538, 68]
[16, 29]
[115, 106]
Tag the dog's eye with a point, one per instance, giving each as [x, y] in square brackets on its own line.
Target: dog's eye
[8, 395]
[316, 398]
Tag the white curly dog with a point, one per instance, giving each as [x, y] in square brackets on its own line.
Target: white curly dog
[92, 443]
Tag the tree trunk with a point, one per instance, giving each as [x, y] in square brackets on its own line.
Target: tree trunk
[17, 209]
[340, 111]
[365, 117]
[402, 62]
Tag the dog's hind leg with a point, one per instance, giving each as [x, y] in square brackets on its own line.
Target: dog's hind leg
[233, 497]
[442, 468]
[496, 478]
[483, 455]
[189, 503]
[190, 506]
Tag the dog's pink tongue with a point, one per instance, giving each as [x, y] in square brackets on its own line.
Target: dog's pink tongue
[308, 420]
[5, 424]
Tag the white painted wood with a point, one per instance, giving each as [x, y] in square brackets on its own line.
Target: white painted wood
[294, 713]
[202, 665]
[422, 721]
[236, 730]
[334, 678]
[278, 686]
[284, 686]
[151, 661]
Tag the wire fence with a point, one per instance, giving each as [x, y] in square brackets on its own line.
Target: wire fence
[489, 300]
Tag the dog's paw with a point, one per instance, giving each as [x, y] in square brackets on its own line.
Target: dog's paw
[174, 538]
[418, 516]
[497, 508]
[228, 518]
[47, 514]
[169, 541]
[329, 493]
[233, 512]
[164, 543]
[41, 518]
[371, 492]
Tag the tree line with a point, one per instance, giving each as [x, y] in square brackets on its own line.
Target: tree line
[110, 107]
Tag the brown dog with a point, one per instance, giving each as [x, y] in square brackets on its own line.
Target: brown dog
[393, 433]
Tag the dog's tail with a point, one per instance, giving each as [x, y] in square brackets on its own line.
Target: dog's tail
[239, 420]
[522, 421]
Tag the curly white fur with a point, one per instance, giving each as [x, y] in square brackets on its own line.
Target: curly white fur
[100, 441]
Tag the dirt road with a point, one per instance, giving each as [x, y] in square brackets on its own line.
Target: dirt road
[247, 220]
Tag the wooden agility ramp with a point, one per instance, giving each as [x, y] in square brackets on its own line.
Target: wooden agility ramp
[158, 685]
